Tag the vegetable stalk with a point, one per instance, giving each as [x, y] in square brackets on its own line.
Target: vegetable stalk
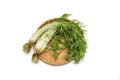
[44, 40]
[39, 32]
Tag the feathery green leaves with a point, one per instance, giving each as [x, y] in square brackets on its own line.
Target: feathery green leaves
[74, 38]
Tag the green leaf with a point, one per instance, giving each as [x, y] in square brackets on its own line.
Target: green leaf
[64, 16]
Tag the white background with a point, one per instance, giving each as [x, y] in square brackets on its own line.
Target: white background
[20, 18]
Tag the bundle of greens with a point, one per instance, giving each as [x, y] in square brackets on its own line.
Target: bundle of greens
[70, 30]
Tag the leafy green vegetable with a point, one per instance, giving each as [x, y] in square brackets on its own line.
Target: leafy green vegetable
[70, 30]
[74, 38]
[57, 46]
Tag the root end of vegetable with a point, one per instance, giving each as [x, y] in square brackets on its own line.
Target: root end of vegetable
[35, 58]
[27, 47]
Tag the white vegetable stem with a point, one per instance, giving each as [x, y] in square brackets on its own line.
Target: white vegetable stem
[44, 40]
[39, 32]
